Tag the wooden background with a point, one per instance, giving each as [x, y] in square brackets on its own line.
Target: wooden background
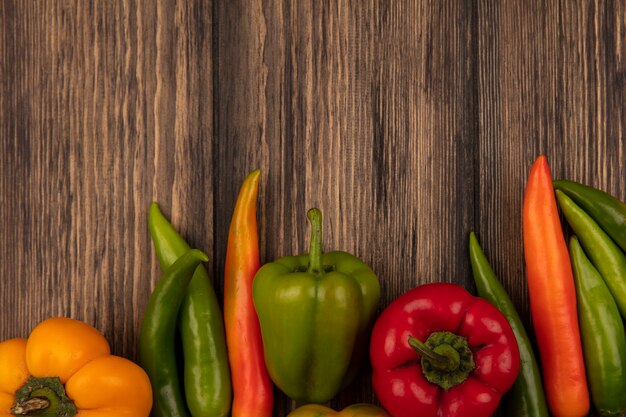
[408, 123]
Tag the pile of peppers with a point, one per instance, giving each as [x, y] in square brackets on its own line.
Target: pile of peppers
[329, 299]
[577, 298]
[577, 293]
[184, 303]
[304, 324]
[598, 256]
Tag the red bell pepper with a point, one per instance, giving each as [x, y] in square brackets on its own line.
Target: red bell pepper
[437, 351]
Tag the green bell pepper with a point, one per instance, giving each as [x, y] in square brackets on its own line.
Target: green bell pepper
[315, 311]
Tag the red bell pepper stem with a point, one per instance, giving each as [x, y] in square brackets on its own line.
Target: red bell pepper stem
[252, 387]
[553, 297]
[436, 359]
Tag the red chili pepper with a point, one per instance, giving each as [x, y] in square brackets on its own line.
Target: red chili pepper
[252, 387]
[437, 351]
[553, 297]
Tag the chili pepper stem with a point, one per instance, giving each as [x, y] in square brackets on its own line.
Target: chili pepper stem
[437, 360]
[315, 246]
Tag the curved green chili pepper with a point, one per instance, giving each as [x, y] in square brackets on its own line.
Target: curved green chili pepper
[526, 398]
[603, 252]
[156, 343]
[602, 332]
[606, 210]
[206, 372]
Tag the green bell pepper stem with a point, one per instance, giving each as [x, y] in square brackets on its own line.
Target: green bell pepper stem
[603, 252]
[158, 328]
[206, 372]
[315, 246]
[526, 398]
[606, 210]
[602, 333]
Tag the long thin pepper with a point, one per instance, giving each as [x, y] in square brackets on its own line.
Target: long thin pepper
[553, 297]
[252, 387]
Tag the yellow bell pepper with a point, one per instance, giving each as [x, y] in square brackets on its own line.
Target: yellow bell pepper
[356, 410]
[66, 366]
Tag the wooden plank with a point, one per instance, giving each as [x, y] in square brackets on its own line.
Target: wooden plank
[35, 208]
[553, 83]
[364, 110]
[105, 107]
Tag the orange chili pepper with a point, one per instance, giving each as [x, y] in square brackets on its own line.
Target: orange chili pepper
[252, 387]
[553, 297]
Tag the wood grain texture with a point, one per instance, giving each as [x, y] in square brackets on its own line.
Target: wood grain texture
[408, 123]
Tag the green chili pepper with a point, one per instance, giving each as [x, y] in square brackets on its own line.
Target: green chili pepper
[206, 372]
[604, 253]
[156, 343]
[606, 210]
[526, 398]
[602, 332]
